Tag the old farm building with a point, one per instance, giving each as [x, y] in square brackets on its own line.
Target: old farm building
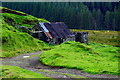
[53, 33]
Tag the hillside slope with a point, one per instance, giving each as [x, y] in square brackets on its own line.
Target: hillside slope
[14, 41]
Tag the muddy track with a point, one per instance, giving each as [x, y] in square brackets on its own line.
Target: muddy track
[31, 62]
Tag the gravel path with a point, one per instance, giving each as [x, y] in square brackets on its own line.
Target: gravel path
[30, 61]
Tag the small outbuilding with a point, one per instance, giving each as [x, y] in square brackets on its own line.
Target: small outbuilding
[81, 37]
[52, 33]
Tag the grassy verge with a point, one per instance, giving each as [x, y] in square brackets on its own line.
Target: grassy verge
[94, 58]
[106, 37]
[69, 75]
[17, 72]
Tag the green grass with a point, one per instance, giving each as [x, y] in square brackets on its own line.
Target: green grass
[94, 58]
[102, 36]
[43, 20]
[69, 75]
[17, 72]
[28, 20]
[15, 42]
[13, 19]
[1, 7]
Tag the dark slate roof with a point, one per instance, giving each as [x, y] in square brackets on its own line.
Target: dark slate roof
[58, 30]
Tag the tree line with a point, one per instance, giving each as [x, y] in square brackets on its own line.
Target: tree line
[77, 15]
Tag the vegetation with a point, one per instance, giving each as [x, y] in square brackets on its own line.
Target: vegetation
[102, 36]
[17, 72]
[69, 75]
[94, 58]
[15, 42]
[77, 15]
[15, 19]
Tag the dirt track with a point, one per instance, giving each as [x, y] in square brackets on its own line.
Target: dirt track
[32, 63]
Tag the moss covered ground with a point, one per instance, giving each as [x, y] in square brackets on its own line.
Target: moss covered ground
[94, 58]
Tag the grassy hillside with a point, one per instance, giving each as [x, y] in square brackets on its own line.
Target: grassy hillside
[17, 72]
[94, 58]
[106, 37]
[15, 42]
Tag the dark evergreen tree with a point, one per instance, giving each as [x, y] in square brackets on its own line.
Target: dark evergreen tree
[87, 15]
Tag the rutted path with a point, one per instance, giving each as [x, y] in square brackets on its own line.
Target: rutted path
[31, 62]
